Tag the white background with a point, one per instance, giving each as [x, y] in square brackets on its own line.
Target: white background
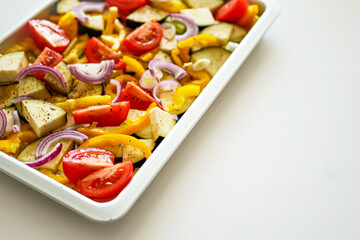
[277, 156]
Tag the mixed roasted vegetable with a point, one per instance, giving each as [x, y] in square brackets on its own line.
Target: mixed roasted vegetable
[89, 94]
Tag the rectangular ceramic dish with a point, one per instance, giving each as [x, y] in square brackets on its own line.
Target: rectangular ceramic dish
[115, 209]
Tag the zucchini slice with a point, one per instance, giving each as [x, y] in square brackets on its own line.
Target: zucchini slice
[211, 4]
[81, 89]
[221, 31]
[28, 154]
[8, 93]
[33, 87]
[65, 72]
[161, 123]
[166, 99]
[146, 132]
[134, 154]
[217, 56]
[42, 116]
[64, 6]
[93, 27]
[143, 15]
[164, 56]
[237, 34]
[201, 16]
[10, 65]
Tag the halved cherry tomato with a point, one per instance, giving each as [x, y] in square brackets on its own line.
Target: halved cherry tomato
[105, 115]
[126, 5]
[232, 10]
[146, 37]
[106, 182]
[48, 34]
[96, 51]
[81, 162]
[138, 98]
[47, 57]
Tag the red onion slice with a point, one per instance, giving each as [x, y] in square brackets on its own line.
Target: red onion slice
[176, 117]
[21, 98]
[47, 158]
[45, 144]
[118, 90]
[169, 30]
[3, 122]
[82, 8]
[165, 85]
[191, 28]
[43, 69]
[17, 123]
[156, 65]
[93, 73]
[148, 81]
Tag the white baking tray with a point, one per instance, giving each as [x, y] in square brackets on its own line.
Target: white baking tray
[117, 208]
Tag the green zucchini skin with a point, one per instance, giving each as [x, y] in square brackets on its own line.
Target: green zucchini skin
[94, 27]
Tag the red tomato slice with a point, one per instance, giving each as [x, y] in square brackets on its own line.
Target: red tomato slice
[96, 51]
[232, 10]
[48, 34]
[138, 98]
[144, 38]
[106, 182]
[126, 5]
[81, 162]
[47, 57]
[105, 115]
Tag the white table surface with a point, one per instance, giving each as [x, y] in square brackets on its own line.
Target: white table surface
[277, 156]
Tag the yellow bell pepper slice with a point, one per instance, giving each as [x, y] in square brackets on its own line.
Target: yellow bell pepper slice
[251, 24]
[69, 24]
[116, 140]
[172, 6]
[16, 141]
[125, 78]
[119, 27]
[202, 40]
[113, 15]
[111, 41]
[175, 57]
[72, 104]
[59, 178]
[183, 93]
[200, 78]
[127, 127]
[132, 65]
[249, 15]
[77, 50]
[148, 56]
[55, 18]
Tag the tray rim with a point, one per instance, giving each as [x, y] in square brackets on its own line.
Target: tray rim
[117, 208]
